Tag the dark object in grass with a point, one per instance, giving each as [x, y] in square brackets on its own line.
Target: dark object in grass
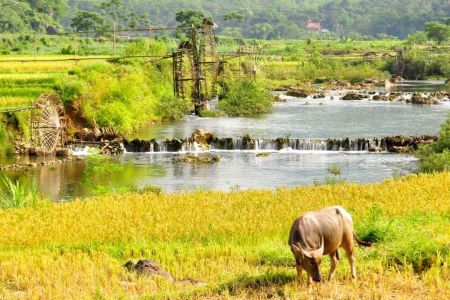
[148, 267]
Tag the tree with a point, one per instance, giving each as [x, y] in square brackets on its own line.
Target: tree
[419, 37]
[21, 16]
[189, 17]
[53, 8]
[113, 10]
[87, 21]
[14, 16]
[233, 16]
[437, 32]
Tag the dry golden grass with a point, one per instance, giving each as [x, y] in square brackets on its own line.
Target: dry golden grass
[235, 242]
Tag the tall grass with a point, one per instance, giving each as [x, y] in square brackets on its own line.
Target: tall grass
[17, 195]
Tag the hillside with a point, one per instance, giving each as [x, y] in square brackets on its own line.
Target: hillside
[251, 18]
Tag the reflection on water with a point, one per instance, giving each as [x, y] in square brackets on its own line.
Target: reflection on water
[246, 170]
[241, 169]
[420, 86]
[87, 178]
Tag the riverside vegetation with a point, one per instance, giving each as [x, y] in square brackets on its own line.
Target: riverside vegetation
[235, 242]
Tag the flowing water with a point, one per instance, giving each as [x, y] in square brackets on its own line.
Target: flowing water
[305, 159]
[317, 119]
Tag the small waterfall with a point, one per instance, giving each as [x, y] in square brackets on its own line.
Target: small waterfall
[81, 151]
[247, 143]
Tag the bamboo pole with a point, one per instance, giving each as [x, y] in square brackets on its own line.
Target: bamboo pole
[114, 37]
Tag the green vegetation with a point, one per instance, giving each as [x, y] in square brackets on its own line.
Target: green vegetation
[6, 148]
[124, 95]
[14, 194]
[30, 15]
[435, 157]
[245, 98]
[437, 31]
[422, 64]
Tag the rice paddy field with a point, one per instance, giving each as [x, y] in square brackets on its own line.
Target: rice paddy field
[21, 83]
[233, 243]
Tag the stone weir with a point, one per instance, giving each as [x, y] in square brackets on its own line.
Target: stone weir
[398, 144]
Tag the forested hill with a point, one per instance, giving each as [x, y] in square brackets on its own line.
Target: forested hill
[270, 19]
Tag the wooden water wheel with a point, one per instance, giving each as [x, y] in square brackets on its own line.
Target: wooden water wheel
[210, 64]
[184, 71]
[252, 62]
[400, 62]
[48, 124]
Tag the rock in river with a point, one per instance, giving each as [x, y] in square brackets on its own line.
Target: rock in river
[353, 96]
[202, 138]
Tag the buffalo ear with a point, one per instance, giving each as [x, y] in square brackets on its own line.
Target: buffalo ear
[297, 250]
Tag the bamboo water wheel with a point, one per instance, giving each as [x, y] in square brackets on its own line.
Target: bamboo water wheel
[48, 124]
[252, 61]
[210, 64]
[400, 62]
[184, 71]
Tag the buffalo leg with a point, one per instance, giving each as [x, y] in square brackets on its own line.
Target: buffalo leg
[352, 259]
[310, 281]
[334, 261]
[299, 272]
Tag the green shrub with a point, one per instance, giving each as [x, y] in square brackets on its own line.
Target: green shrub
[170, 108]
[210, 114]
[435, 157]
[6, 148]
[245, 98]
[145, 47]
[69, 89]
[376, 226]
[420, 65]
[435, 162]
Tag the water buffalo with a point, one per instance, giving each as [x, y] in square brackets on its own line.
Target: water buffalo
[319, 233]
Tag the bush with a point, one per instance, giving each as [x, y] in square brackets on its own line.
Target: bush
[170, 108]
[376, 226]
[69, 90]
[420, 65]
[145, 47]
[245, 98]
[435, 157]
[6, 148]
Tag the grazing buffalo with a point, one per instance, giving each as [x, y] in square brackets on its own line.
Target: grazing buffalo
[320, 233]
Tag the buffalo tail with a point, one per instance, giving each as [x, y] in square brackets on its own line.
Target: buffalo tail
[360, 242]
